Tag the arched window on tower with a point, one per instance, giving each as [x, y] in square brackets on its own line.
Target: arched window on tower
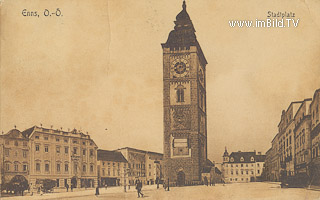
[180, 93]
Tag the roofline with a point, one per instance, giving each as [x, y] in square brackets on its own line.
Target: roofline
[139, 150]
[274, 137]
[305, 100]
[314, 95]
[293, 102]
[35, 127]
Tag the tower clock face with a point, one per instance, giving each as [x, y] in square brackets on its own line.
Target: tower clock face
[179, 68]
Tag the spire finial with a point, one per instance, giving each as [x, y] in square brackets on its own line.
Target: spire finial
[184, 6]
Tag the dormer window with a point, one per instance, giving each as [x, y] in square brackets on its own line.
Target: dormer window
[232, 159]
[252, 159]
[241, 159]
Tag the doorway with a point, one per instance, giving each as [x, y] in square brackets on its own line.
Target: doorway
[181, 178]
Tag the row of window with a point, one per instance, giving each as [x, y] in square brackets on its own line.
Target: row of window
[16, 143]
[258, 165]
[244, 172]
[7, 153]
[138, 166]
[16, 167]
[65, 140]
[114, 172]
[66, 150]
[66, 167]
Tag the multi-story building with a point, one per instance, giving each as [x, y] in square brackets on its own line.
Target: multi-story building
[15, 155]
[275, 161]
[143, 165]
[112, 168]
[154, 167]
[315, 138]
[286, 139]
[295, 149]
[302, 140]
[68, 157]
[184, 104]
[242, 166]
[268, 165]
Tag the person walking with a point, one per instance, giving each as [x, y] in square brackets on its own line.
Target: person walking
[164, 185]
[67, 186]
[97, 190]
[139, 188]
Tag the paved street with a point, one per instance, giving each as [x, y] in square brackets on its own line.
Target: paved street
[240, 191]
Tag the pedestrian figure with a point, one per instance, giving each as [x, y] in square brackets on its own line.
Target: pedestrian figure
[72, 187]
[205, 181]
[41, 192]
[97, 190]
[67, 186]
[106, 186]
[164, 185]
[139, 187]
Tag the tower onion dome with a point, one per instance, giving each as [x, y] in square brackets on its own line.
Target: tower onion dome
[225, 152]
[183, 34]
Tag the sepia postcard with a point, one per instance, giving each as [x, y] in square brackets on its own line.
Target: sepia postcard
[160, 99]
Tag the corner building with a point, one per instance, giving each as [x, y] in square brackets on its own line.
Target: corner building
[184, 96]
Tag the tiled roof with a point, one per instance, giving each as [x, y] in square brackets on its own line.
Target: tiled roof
[217, 171]
[28, 131]
[236, 156]
[114, 156]
[14, 133]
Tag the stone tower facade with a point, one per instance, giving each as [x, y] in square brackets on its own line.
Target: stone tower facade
[184, 102]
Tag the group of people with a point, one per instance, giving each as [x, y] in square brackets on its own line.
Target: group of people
[206, 182]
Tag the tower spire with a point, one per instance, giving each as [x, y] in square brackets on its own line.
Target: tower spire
[184, 6]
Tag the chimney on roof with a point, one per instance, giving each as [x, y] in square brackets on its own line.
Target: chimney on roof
[259, 153]
[239, 151]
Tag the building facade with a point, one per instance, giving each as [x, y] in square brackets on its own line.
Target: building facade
[15, 156]
[143, 165]
[286, 139]
[242, 167]
[184, 95]
[154, 167]
[297, 155]
[275, 159]
[66, 157]
[314, 165]
[112, 168]
[302, 138]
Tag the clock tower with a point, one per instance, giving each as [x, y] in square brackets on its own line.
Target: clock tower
[184, 104]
